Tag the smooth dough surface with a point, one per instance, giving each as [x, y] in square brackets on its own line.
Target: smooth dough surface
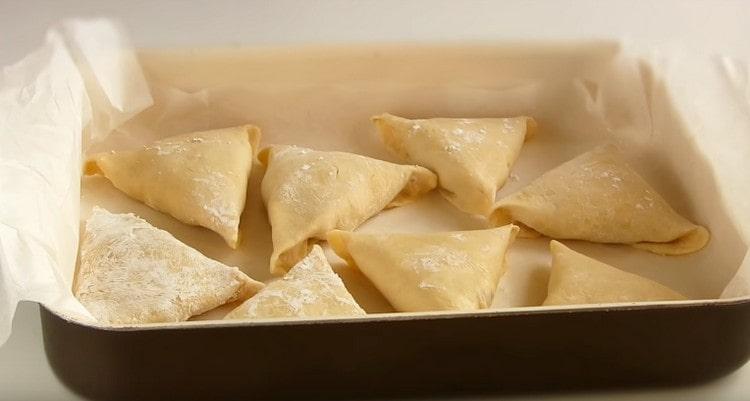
[131, 272]
[310, 289]
[471, 156]
[456, 270]
[308, 193]
[597, 197]
[578, 279]
[199, 178]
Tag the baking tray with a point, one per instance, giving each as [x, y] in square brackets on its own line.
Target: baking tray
[499, 352]
[582, 94]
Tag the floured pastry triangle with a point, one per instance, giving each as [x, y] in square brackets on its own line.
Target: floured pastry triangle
[578, 279]
[308, 193]
[472, 157]
[456, 270]
[132, 272]
[309, 289]
[199, 178]
[597, 197]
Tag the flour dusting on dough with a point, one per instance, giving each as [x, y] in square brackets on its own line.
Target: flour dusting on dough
[469, 136]
[309, 289]
[132, 272]
[434, 258]
[425, 286]
[211, 195]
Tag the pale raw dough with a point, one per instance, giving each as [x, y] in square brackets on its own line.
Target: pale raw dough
[132, 272]
[443, 271]
[310, 289]
[472, 157]
[597, 197]
[578, 279]
[199, 178]
[308, 193]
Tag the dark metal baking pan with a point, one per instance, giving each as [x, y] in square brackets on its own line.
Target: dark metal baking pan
[495, 352]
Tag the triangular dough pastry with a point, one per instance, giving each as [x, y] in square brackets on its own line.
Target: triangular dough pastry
[597, 197]
[310, 289]
[308, 193]
[199, 178]
[579, 279]
[456, 270]
[132, 272]
[472, 157]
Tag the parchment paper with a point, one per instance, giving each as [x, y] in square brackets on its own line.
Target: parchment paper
[84, 76]
[683, 127]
